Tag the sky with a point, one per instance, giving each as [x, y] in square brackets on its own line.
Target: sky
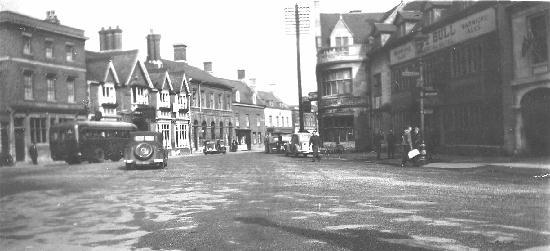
[232, 34]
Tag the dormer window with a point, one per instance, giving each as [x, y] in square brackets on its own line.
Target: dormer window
[237, 97]
[434, 15]
[342, 41]
[164, 96]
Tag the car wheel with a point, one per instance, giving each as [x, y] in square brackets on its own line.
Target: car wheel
[116, 157]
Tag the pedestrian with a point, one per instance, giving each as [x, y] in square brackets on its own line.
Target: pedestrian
[315, 143]
[406, 143]
[390, 140]
[33, 152]
[378, 141]
[416, 138]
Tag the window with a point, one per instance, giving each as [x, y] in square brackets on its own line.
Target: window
[69, 53]
[181, 135]
[466, 60]
[253, 98]
[254, 139]
[258, 122]
[287, 122]
[28, 83]
[400, 82]
[219, 102]
[270, 120]
[237, 118]
[434, 15]
[27, 48]
[538, 43]
[49, 49]
[194, 101]
[38, 130]
[237, 97]
[139, 95]
[109, 111]
[164, 96]
[70, 89]
[337, 82]
[277, 119]
[50, 83]
[165, 130]
[203, 100]
[342, 41]
[211, 101]
[247, 120]
[228, 100]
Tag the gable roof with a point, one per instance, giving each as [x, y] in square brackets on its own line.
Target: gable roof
[98, 70]
[124, 62]
[179, 82]
[384, 28]
[193, 73]
[159, 78]
[409, 15]
[245, 92]
[360, 24]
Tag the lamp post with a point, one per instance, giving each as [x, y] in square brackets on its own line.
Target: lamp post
[419, 40]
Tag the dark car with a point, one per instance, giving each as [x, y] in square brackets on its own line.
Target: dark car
[145, 149]
[214, 147]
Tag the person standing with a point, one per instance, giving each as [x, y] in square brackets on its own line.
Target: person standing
[390, 140]
[416, 138]
[315, 143]
[33, 152]
[406, 143]
[379, 140]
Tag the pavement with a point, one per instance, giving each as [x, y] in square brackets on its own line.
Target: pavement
[448, 161]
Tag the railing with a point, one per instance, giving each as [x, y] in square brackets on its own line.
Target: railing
[331, 54]
[325, 102]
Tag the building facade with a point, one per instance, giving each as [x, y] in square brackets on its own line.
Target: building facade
[527, 97]
[277, 115]
[248, 112]
[43, 80]
[342, 43]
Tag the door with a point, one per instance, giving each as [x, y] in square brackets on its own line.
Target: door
[19, 144]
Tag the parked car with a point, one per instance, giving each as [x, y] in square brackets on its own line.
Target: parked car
[299, 144]
[214, 147]
[276, 144]
[145, 149]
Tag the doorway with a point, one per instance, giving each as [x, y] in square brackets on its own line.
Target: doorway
[535, 109]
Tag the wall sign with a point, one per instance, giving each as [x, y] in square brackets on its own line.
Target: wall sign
[472, 26]
[402, 53]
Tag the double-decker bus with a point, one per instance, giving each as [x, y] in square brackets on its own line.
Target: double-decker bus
[94, 141]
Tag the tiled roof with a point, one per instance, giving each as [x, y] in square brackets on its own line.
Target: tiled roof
[193, 73]
[410, 15]
[269, 96]
[123, 61]
[157, 77]
[245, 91]
[97, 69]
[177, 81]
[360, 24]
[384, 28]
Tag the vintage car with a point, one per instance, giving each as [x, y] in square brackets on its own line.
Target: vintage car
[145, 149]
[299, 145]
[276, 144]
[214, 147]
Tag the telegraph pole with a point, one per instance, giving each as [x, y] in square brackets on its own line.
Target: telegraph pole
[300, 21]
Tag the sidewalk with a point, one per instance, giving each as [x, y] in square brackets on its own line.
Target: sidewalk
[448, 161]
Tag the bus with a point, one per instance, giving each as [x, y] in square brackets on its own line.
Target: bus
[93, 141]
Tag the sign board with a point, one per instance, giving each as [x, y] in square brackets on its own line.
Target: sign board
[430, 94]
[428, 111]
[410, 74]
[472, 26]
[402, 53]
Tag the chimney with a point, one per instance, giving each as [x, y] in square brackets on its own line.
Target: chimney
[180, 52]
[103, 44]
[117, 38]
[153, 48]
[241, 75]
[108, 39]
[208, 67]
[51, 17]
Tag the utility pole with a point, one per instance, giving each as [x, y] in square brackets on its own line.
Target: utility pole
[299, 18]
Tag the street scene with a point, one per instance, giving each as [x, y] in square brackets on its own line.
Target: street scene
[275, 125]
[258, 201]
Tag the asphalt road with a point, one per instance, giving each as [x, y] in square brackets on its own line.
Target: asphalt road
[256, 201]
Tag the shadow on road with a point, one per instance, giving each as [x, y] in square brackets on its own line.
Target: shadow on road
[352, 239]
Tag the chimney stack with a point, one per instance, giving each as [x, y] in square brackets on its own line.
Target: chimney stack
[110, 39]
[241, 75]
[153, 48]
[51, 17]
[180, 52]
[208, 67]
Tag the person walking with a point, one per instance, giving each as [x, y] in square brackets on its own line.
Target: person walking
[406, 143]
[416, 138]
[390, 140]
[33, 152]
[378, 141]
[315, 143]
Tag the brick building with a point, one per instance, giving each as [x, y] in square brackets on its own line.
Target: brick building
[42, 80]
[248, 113]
